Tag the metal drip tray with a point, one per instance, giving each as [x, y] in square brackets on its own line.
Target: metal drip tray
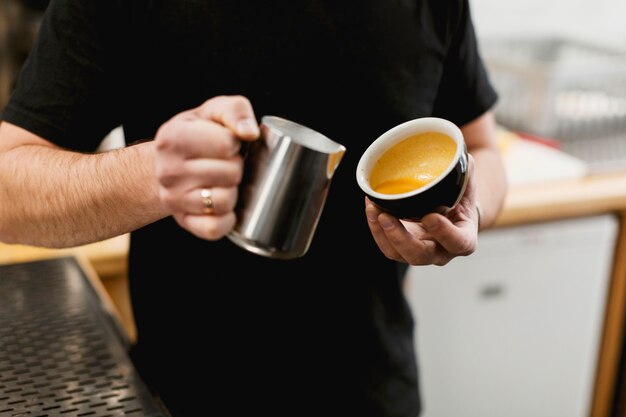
[61, 353]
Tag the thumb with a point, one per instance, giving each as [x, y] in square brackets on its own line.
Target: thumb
[233, 112]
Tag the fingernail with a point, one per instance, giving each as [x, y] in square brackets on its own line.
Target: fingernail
[430, 222]
[385, 222]
[247, 127]
[372, 216]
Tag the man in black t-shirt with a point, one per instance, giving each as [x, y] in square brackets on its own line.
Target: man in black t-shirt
[219, 328]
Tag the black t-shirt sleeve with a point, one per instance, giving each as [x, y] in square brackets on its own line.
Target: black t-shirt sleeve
[465, 91]
[65, 92]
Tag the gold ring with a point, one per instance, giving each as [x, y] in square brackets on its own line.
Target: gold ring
[207, 200]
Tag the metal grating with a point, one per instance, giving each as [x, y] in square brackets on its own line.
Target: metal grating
[565, 90]
[61, 353]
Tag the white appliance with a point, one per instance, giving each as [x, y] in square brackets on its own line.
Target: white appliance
[514, 329]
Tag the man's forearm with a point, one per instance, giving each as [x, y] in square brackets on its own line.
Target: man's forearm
[492, 184]
[481, 138]
[55, 198]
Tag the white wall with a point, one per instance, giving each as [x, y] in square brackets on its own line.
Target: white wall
[601, 21]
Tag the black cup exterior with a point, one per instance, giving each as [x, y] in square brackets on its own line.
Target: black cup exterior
[440, 197]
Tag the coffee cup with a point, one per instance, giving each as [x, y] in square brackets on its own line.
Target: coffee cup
[415, 168]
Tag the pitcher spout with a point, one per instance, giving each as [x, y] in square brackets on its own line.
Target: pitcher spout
[334, 159]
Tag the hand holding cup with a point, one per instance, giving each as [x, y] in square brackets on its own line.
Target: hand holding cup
[415, 168]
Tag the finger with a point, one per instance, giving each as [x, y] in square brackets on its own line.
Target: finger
[207, 227]
[216, 172]
[397, 243]
[372, 212]
[470, 189]
[223, 200]
[234, 112]
[419, 249]
[472, 194]
[196, 173]
[194, 137]
[466, 210]
[459, 239]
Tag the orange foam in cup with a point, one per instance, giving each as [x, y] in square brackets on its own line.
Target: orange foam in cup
[412, 163]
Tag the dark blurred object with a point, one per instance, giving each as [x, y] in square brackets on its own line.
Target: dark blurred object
[564, 89]
[19, 24]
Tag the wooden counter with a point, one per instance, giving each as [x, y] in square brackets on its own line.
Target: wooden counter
[564, 199]
[525, 204]
[107, 257]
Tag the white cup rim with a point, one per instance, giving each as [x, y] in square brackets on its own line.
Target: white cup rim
[398, 134]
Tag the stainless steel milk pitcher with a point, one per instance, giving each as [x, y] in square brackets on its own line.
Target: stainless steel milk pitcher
[287, 174]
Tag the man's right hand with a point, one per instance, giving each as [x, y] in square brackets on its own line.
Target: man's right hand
[198, 150]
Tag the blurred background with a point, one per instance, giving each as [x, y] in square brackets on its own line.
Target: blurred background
[560, 69]
[532, 324]
[597, 21]
[19, 23]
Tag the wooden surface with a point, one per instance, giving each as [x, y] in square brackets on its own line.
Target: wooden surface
[107, 257]
[564, 199]
[610, 352]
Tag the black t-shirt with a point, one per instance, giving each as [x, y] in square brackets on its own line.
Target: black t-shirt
[219, 328]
